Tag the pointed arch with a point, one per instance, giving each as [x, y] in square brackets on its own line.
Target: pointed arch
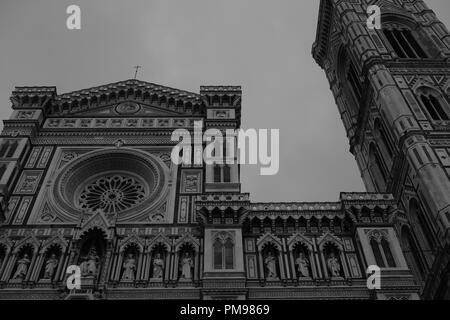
[377, 168]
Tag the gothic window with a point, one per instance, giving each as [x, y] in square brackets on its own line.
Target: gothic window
[222, 173]
[2, 170]
[412, 253]
[355, 83]
[388, 253]
[8, 148]
[112, 194]
[223, 252]
[290, 224]
[382, 139]
[434, 105]
[256, 226]
[218, 254]
[217, 173]
[381, 250]
[420, 224]
[229, 254]
[226, 173]
[2, 254]
[404, 43]
[377, 168]
[377, 253]
[349, 81]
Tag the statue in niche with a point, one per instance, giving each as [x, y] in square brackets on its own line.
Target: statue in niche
[158, 265]
[271, 265]
[129, 267]
[333, 265]
[186, 265]
[22, 267]
[93, 260]
[50, 266]
[90, 263]
[302, 263]
[84, 266]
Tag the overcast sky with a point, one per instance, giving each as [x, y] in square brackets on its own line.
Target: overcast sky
[262, 45]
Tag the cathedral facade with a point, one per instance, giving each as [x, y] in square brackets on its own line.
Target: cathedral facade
[87, 183]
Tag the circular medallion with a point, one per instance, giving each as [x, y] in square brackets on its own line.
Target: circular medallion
[128, 108]
[125, 182]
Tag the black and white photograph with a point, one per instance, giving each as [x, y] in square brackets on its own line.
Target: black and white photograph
[222, 158]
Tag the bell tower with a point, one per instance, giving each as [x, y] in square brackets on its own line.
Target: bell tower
[392, 87]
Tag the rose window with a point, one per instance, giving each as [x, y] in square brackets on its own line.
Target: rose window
[112, 194]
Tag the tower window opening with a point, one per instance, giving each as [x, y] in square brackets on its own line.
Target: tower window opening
[404, 44]
[434, 107]
[222, 173]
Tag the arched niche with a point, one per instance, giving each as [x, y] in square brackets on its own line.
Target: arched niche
[92, 252]
[271, 253]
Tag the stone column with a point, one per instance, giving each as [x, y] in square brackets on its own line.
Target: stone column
[344, 265]
[65, 265]
[196, 265]
[37, 269]
[173, 264]
[281, 264]
[32, 265]
[119, 266]
[112, 267]
[167, 264]
[107, 263]
[313, 265]
[176, 266]
[322, 256]
[292, 258]
[139, 267]
[8, 267]
[148, 263]
[60, 264]
[5, 262]
[144, 270]
[261, 265]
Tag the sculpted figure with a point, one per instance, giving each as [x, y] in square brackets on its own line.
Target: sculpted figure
[129, 267]
[333, 265]
[22, 267]
[186, 265]
[303, 265]
[271, 266]
[84, 266]
[93, 260]
[158, 265]
[50, 267]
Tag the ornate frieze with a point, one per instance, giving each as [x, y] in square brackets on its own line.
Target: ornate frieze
[118, 123]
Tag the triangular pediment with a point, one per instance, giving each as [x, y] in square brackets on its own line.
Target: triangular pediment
[128, 98]
[329, 238]
[128, 108]
[96, 220]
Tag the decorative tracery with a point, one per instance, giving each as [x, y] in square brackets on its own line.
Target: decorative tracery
[112, 194]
